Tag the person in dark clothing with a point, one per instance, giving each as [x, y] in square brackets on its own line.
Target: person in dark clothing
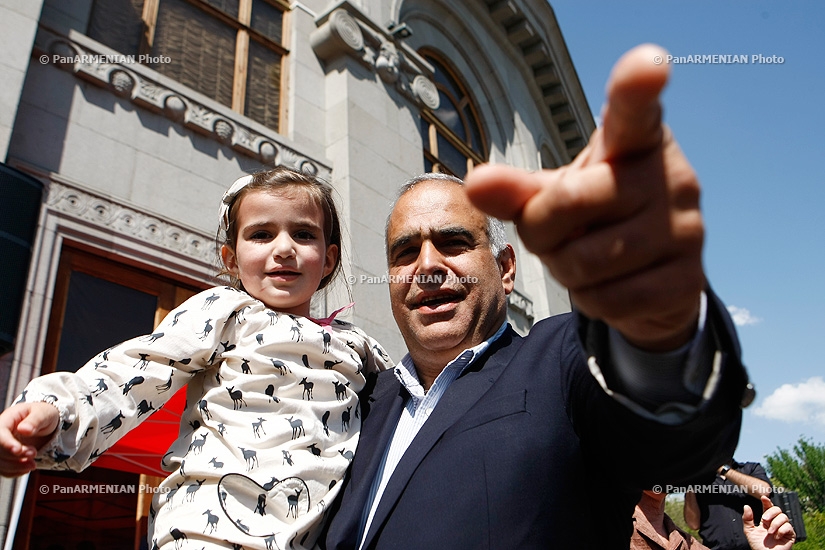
[717, 512]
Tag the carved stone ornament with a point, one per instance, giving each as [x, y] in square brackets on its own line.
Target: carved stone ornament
[121, 82]
[388, 63]
[115, 217]
[224, 130]
[346, 31]
[339, 34]
[427, 93]
[521, 303]
[268, 152]
[174, 107]
[124, 77]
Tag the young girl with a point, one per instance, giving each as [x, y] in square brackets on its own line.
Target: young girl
[271, 419]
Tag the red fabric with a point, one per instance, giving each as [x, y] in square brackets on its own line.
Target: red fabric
[140, 451]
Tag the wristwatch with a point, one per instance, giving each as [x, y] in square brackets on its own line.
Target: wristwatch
[724, 470]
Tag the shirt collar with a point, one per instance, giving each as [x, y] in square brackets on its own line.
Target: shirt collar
[407, 375]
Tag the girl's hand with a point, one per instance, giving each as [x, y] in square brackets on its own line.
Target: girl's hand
[24, 429]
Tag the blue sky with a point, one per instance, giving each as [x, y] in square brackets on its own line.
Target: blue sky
[755, 134]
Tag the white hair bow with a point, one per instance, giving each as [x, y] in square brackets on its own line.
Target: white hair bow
[229, 196]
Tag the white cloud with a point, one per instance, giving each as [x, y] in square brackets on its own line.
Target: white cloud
[742, 316]
[803, 402]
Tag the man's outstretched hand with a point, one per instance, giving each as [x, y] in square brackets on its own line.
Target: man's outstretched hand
[620, 227]
[774, 531]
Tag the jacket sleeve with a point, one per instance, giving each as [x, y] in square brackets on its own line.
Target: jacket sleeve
[120, 387]
[654, 452]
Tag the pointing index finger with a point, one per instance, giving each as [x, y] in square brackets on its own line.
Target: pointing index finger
[632, 118]
[501, 191]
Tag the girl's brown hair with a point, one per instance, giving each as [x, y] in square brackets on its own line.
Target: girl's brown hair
[285, 178]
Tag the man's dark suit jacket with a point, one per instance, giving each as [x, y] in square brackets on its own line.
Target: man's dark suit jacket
[525, 450]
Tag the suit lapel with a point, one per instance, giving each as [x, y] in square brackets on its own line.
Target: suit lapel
[384, 405]
[462, 394]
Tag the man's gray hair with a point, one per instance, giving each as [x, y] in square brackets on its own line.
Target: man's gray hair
[496, 233]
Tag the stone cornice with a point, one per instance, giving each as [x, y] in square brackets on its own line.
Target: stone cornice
[344, 30]
[114, 217]
[128, 79]
[538, 55]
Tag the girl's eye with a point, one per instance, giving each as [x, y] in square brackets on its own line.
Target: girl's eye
[305, 235]
[259, 236]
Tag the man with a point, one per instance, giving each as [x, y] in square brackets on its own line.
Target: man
[654, 530]
[484, 439]
[717, 514]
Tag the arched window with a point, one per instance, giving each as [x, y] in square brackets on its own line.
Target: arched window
[452, 136]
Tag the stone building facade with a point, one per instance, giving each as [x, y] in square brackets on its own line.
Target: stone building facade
[134, 116]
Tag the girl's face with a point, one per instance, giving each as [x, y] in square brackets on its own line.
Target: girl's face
[281, 255]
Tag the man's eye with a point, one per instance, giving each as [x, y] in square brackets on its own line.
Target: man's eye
[406, 254]
[456, 245]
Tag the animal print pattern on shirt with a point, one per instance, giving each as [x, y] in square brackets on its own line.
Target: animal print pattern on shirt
[270, 425]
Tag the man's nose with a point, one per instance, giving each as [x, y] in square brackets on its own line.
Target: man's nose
[430, 260]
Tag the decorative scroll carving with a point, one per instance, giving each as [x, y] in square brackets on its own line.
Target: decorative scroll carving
[425, 89]
[346, 31]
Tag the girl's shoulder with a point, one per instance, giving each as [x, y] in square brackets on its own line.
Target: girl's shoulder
[220, 302]
[366, 346]
[345, 329]
[221, 296]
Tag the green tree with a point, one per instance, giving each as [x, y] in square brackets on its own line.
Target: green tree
[803, 472]
[815, 528]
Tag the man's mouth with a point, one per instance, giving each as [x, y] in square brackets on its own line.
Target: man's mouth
[435, 300]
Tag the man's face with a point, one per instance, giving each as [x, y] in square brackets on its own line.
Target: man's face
[448, 292]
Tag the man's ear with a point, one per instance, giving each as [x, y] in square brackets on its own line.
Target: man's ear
[507, 265]
[229, 259]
